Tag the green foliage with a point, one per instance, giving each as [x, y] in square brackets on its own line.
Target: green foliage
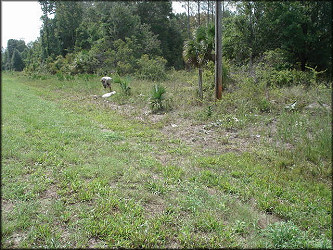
[281, 78]
[123, 83]
[163, 23]
[151, 68]
[158, 102]
[125, 88]
[123, 56]
[112, 36]
[85, 62]
[13, 58]
[68, 16]
[284, 78]
[157, 97]
[287, 235]
[293, 27]
[120, 21]
[199, 50]
[276, 59]
[315, 74]
[17, 63]
[209, 111]
[209, 76]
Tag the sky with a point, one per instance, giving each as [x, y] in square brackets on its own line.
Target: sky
[21, 20]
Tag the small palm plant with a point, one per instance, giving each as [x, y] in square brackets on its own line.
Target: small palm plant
[199, 50]
[157, 98]
[125, 88]
[123, 85]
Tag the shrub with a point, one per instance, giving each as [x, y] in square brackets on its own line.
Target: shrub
[85, 62]
[151, 69]
[275, 70]
[123, 56]
[55, 66]
[314, 74]
[124, 68]
[283, 78]
[264, 105]
[276, 59]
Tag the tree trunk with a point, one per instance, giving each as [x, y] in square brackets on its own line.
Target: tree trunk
[200, 84]
[188, 19]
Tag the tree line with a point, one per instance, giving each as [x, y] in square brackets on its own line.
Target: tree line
[127, 37]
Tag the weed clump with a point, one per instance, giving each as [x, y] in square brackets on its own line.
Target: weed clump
[287, 235]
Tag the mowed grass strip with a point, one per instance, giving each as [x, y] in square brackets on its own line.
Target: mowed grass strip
[78, 175]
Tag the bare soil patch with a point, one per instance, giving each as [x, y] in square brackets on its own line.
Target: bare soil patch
[201, 136]
[155, 207]
[7, 206]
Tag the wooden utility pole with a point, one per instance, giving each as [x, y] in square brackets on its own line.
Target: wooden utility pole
[218, 50]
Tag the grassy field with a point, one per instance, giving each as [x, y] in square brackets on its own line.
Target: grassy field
[82, 171]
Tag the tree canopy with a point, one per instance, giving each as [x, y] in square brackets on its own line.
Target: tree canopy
[98, 36]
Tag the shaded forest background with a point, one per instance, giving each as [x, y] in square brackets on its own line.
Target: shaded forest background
[130, 37]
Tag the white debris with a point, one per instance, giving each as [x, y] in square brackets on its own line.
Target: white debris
[291, 106]
[109, 94]
[174, 125]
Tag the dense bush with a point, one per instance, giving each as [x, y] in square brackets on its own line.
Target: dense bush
[276, 59]
[56, 66]
[151, 69]
[85, 62]
[122, 57]
[283, 78]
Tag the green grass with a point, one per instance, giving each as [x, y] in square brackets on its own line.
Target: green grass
[76, 173]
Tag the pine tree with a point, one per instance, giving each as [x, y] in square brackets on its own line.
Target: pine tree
[17, 63]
